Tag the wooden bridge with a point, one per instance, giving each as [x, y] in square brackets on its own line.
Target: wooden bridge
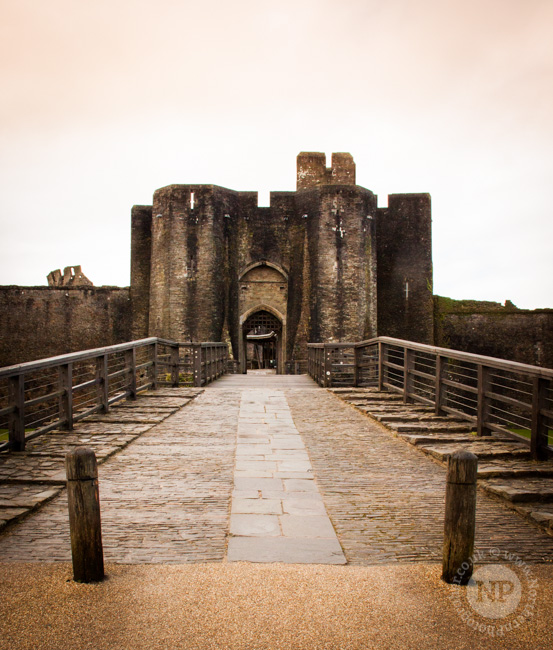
[266, 467]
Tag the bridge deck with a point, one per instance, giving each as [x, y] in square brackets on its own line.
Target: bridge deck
[257, 467]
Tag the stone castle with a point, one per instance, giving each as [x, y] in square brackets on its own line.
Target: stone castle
[323, 263]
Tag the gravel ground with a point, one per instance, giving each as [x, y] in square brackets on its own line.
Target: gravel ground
[248, 606]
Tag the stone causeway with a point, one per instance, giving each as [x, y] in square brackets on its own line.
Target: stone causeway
[272, 468]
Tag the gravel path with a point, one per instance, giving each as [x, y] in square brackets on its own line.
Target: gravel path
[251, 607]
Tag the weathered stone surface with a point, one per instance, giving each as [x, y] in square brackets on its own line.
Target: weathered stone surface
[523, 480]
[167, 496]
[285, 549]
[386, 499]
[485, 450]
[267, 505]
[40, 322]
[164, 498]
[25, 476]
[521, 489]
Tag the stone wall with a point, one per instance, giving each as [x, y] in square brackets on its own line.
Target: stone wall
[39, 322]
[404, 257]
[495, 330]
[198, 241]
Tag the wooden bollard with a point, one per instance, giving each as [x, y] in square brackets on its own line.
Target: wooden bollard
[84, 515]
[460, 514]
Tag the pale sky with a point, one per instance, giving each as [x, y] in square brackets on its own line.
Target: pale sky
[105, 101]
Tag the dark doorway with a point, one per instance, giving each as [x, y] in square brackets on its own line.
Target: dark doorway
[262, 333]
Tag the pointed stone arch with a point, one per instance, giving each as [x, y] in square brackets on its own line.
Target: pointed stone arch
[259, 308]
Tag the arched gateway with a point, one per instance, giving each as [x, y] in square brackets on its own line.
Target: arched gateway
[263, 305]
[262, 342]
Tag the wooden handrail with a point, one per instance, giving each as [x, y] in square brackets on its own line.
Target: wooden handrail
[48, 404]
[436, 381]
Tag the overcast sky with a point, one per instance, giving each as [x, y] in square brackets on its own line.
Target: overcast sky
[104, 101]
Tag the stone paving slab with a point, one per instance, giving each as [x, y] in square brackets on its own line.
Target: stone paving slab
[20, 467]
[151, 401]
[109, 428]
[537, 512]
[128, 416]
[522, 489]
[17, 501]
[285, 549]
[432, 426]
[164, 392]
[406, 416]
[60, 443]
[514, 468]
[482, 449]
[272, 468]
[433, 438]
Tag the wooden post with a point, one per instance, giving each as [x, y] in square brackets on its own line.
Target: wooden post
[84, 515]
[381, 353]
[16, 434]
[539, 431]
[356, 363]
[327, 379]
[209, 364]
[130, 365]
[483, 406]
[102, 378]
[175, 360]
[155, 367]
[65, 382]
[197, 364]
[408, 366]
[441, 365]
[460, 514]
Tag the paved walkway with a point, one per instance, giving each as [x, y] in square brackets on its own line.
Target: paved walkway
[278, 514]
[289, 459]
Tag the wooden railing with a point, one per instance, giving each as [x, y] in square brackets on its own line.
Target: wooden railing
[39, 396]
[494, 395]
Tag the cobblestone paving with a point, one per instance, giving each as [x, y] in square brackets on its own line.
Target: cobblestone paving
[25, 476]
[385, 499]
[164, 498]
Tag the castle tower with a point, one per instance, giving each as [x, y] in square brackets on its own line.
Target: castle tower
[342, 252]
[321, 264]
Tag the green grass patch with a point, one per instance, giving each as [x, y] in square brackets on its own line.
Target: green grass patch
[5, 434]
[525, 433]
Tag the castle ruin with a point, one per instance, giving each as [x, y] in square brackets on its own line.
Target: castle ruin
[323, 263]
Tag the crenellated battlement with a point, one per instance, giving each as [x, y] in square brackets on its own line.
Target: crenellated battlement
[190, 248]
[312, 170]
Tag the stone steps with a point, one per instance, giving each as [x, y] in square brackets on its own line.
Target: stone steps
[484, 450]
[405, 416]
[505, 468]
[33, 477]
[517, 490]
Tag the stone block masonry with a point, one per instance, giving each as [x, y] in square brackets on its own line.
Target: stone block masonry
[323, 261]
[195, 252]
[39, 322]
